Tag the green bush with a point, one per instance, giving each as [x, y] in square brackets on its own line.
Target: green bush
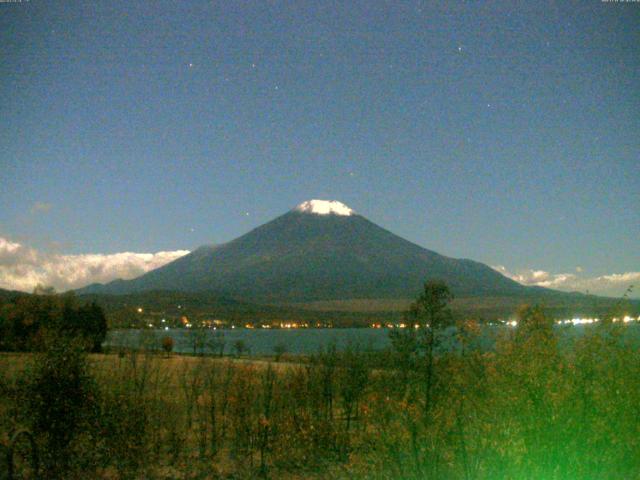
[61, 406]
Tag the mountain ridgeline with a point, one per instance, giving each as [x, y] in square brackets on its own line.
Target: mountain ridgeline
[318, 251]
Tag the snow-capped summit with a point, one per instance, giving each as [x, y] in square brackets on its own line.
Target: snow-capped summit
[324, 207]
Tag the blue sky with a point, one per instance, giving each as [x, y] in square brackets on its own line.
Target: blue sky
[500, 132]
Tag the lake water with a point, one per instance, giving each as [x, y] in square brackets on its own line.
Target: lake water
[304, 341]
[258, 341]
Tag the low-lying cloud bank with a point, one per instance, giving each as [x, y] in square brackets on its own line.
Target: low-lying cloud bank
[23, 268]
[613, 285]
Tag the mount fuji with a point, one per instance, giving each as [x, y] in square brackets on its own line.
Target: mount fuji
[320, 250]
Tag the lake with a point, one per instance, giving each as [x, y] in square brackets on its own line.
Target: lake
[258, 341]
[305, 340]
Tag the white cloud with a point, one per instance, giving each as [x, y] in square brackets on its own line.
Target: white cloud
[22, 267]
[614, 285]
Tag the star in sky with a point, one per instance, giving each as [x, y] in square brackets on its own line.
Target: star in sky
[364, 82]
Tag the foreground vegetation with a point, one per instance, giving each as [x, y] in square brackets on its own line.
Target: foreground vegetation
[26, 321]
[527, 409]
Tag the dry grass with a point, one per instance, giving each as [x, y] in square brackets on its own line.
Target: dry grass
[517, 412]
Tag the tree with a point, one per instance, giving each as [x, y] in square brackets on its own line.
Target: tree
[353, 378]
[216, 343]
[26, 320]
[197, 338]
[44, 290]
[431, 314]
[94, 325]
[279, 350]
[529, 376]
[425, 320]
[60, 401]
[240, 346]
[167, 345]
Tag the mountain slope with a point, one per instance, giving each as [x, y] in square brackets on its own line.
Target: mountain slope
[6, 295]
[317, 252]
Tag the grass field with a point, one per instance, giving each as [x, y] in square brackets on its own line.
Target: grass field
[527, 410]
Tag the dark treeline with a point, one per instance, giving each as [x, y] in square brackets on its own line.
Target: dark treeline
[528, 409]
[26, 321]
[122, 310]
